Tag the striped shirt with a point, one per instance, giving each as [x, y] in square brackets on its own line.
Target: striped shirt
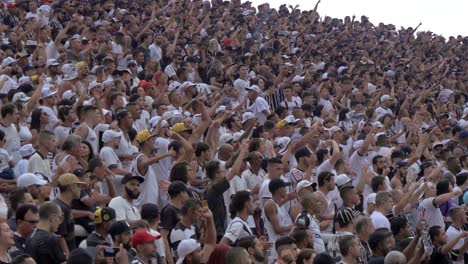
[274, 99]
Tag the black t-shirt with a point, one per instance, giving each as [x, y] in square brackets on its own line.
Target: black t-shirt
[214, 196]
[170, 216]
[77, 204]
[18, 248]
[44, 247]
[376, 260]
[67, 228]
[438, 258]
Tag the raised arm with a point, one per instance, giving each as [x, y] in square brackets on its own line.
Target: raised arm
[236, 167]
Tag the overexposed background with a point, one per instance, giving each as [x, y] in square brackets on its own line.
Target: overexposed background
[446, 18]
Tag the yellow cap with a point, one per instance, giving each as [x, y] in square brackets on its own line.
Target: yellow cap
[143, 136]
[81, 64]
[179, 127]
[69, 179]
[281, 123]
[34, 77]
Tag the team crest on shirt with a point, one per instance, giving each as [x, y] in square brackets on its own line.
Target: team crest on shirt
[297, 175]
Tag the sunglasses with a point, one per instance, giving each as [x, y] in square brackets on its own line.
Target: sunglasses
[33, 222]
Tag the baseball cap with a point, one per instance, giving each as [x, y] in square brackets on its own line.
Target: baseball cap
[47, 92]
[142, 237]
[371, 198]
[24, 80]
[385, 97]
[185, 248]
[334, 129]
[27, 150]
[130, 177]
[303, 184]
[247, 116]
[102, 215]
[68, 95]
[290, 119]
[118, 227]
[275, 184]
[31, 42]
[28, 67]
[401, 163]
[108, 135]
[69, 179]
[145, 84]
[7, 61]
[143, 135]
[29, 179]
[297, 78]
[20, 96]
[282, 143]
[180, 127]
[341, 180]
[93, 84]
[52, 62]
[149, 210]
[225, 138]
[175, 188]
[254, 88]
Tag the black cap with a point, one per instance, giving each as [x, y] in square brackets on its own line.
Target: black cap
[118, 228]
[377, 237]
[149, 211]
[29, 67]
[129, 177]
[176, 187]
[79, 256]
[401, 163]
[406, 149]
[275, 184]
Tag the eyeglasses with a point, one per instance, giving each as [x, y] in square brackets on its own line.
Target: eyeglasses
[32, 222]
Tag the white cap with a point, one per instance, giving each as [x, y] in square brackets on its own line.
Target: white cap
[385, 97]
[377, 124]
[47, 92]
[30, 42]
[371, 198]
[282, 143]
[24, 79]
[68, 94]
[28, 179]
[237, 136]
[20, 96]
[109, 135]
[254, 88]
[154, 121]
[334, 129]
[291, 119]
[70, 71]
[225, 138]
[341, 180]
[52, 62]
[7, 61]
[27, 150]
[303, 184]
[185, 248]
[247, 116]
[187, 84]
[378, 135]
[93, 84]
[297, 78]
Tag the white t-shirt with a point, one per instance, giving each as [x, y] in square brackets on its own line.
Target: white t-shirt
[264, 193]
[12, 141]
[4, 159]
[258, 107]
[160, 247]
[380, 111]
[379, 220]
[53, 119]
[237, 229]
[429, 212]
[124, 210]
[108, 155]
[452, 232]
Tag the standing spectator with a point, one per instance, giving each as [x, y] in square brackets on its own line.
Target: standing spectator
[103, 219]
[150, 213]
[6, 241]
[241, 208]
[187, 226]
[383, 206]
[143, 243]
[27, 218]
[43, 245]
[443, 251]
[9, 114]
[350, 248]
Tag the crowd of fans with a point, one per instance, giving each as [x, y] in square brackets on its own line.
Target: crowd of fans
[218, 132]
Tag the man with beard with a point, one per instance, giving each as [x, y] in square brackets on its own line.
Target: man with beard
[120, 233]
[53, 71]
[123, 205]
[240, 208]
[254, 247]
[69, 186]
[399, 179]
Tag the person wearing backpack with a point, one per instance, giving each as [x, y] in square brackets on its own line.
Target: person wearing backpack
[241, 208]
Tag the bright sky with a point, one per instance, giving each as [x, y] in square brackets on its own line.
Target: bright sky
[447, 18]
